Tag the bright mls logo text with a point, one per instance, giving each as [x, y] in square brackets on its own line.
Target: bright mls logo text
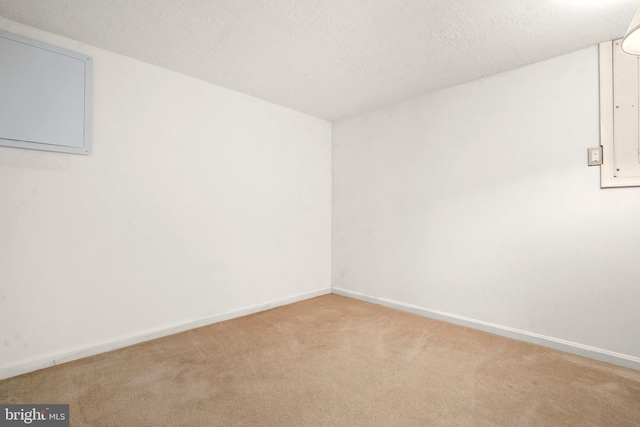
[39, 415]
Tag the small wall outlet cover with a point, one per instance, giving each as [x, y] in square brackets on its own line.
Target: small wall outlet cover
[594, 156]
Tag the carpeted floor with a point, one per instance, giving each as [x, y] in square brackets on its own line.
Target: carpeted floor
[340, 362]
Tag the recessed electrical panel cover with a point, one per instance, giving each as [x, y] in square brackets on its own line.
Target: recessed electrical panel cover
[45, 96]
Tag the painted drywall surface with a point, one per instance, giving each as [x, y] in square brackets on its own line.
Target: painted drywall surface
[197, 200]
[477, 201]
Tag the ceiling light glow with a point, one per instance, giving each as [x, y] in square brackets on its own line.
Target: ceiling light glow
[631, 41]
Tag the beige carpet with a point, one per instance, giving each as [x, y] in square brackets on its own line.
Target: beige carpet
[335, 361]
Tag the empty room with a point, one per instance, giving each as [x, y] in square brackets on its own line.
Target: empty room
[349, 213]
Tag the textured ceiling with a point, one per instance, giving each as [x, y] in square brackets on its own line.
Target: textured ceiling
[332, 58]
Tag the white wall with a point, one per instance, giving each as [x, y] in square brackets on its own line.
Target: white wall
[198, 203]
[475, 204]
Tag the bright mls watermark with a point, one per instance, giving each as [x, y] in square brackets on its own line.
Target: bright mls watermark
[34, 415]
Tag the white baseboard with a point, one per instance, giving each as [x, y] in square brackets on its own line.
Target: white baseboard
[529, 337]
[69, 355]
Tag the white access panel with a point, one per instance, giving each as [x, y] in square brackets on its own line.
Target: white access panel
[45, 96]
[620, 116]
